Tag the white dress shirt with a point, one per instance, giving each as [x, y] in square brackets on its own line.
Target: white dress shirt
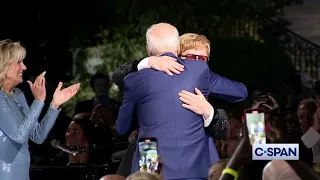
[311, 139]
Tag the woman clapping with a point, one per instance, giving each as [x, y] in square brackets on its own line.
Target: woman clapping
[18, 121]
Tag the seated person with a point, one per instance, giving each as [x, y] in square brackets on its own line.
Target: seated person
[79, 135]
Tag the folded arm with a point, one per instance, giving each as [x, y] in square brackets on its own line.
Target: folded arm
[166, 64]
[125, 117]
[125, 69]
[226, 89]
[18, 129]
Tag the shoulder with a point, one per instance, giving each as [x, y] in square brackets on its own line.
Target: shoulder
[18, 91]
[195, 63]
[2, 94]
[136, 77]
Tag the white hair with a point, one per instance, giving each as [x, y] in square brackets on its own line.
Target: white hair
[162, 42]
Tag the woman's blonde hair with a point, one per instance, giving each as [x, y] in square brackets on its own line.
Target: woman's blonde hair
[10, 52]
[193, 41]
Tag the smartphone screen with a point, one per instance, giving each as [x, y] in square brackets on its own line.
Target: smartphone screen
[148, 151]
[256, 126]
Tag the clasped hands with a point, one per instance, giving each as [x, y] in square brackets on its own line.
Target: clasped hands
[60, 96]
[194, 102]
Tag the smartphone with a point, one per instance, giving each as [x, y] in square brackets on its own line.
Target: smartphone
[256, 126]
[148, 151]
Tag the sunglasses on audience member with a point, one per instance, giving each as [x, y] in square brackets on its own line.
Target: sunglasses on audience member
[195, 57]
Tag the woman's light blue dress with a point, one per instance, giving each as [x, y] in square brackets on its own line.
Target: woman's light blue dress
[18, 124]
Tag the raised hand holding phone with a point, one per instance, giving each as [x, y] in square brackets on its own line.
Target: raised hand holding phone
[148, 151]
[255, 122]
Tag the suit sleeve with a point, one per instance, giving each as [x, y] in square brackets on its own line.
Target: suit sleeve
[226, 89]
[125, 117]
[18, 130]
[219, 126]
[125, 69]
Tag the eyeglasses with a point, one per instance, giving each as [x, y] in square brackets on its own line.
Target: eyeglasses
[195, 57]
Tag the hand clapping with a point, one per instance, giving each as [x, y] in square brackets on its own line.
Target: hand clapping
[61, 96]
[38, 88]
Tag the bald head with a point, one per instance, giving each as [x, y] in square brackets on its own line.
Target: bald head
[161, 38]
[112, 177]
[279, 170]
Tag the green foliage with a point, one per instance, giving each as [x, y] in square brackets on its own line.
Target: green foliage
[84, 93]
[251, 62]
[238, 53]
[121, 45]
[116, 47]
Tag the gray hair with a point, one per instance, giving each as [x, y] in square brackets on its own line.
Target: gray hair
[162, 42]
[143, 176]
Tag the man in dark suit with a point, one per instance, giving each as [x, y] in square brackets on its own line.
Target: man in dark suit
[183, 144]
[100, 85]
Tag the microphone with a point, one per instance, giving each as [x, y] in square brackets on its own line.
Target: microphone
[56, 144]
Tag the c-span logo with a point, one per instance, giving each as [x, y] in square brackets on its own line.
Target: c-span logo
[275, 152]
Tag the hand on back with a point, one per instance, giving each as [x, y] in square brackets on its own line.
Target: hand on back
[167, 64]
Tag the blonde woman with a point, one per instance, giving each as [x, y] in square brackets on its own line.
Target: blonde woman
[18, 121]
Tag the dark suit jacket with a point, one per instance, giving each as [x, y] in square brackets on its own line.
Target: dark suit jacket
[183, 145]
[219, 128]
[217, 133]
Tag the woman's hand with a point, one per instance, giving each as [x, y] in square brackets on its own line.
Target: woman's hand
[158, 168]
[262, 99]
[102, 115]
[38, 88]
[61, 96]
[259, 98]
[133, 135]
[272, 104]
